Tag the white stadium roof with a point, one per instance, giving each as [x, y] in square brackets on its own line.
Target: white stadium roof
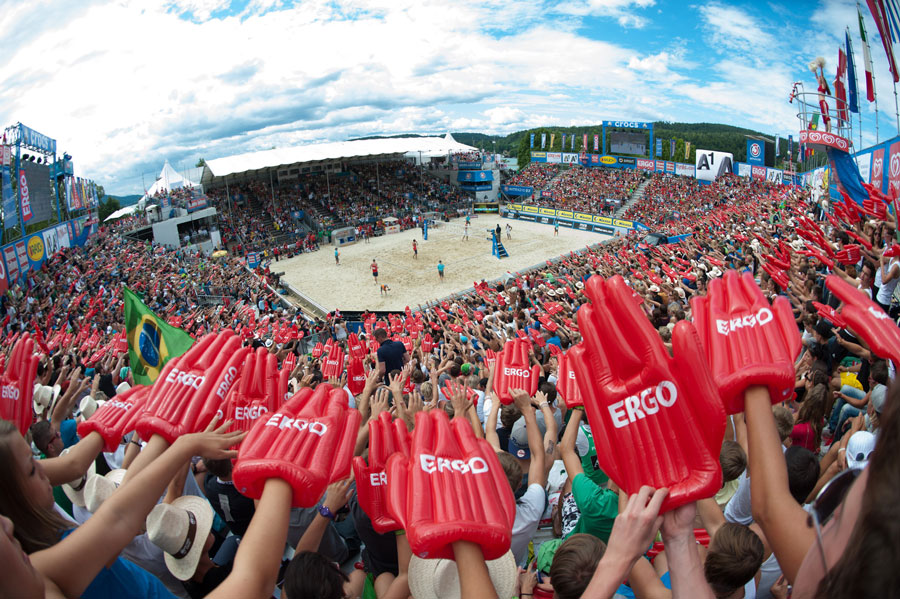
[254, 161]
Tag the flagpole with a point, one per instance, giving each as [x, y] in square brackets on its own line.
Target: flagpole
[896, 107]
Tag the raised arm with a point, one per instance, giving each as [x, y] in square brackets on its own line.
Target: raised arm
[782, 519]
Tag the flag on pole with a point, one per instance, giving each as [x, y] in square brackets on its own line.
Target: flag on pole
[687, 150]
[852, 94]
[879, 13]
[867, 59]
[671, 149]
[552, 137]
[532, 140]
[563, 146]
[543, 140]
[596, 142]
[777, 149]
[892, 10]
[151, 340]
[840, 85]
[573, 142]
[584, 143]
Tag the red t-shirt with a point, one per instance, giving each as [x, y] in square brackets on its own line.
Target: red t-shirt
[374, 267]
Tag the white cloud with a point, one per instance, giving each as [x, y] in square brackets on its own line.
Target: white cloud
[123, 85]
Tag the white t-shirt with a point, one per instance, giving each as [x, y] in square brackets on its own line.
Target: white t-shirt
[886, 289]
[529, 509]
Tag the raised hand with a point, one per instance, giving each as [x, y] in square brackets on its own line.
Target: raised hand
[867, 319]
[450, 488]
[116, 418]
[308, 442]
[658, 420]
[17, 384]
[191, 388]
[385, 439]
[566, 384]
[334, 363]
[257, 392]
[747, 341]
[513, 370]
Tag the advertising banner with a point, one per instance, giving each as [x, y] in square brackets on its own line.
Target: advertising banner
[543, 140]
[658, 147]
[756, 153]
[596, 143]
[36, 140]
[685, 170]
[469, 165]
[743, 169]
[517, 190]
[894, 168]
[62, 234]
[584, 143]
[625, 161]
[12, 263]
[710, 164]
[608, 160]
[878, 169]
[22, 255]
[554, 157]
[646, 164]
[569, 158]
[474, 176]
[670, 167]
[39, 191]
[51, 242]
[532, 140]
[660, 166]
[773, 175]
[758, 172]
[10, 213]
[595, 159]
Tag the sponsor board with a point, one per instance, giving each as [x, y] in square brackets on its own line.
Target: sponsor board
[547, 211]
[564, 213]
[554, 157]
[758, 172]
[685, 170]
[625, 160]
[710, 164]
[864, 164]
[608, 159]
[628, 124]
[583, 216]
[531, 209]
[539, 154]
[645, 164]
[603, 220]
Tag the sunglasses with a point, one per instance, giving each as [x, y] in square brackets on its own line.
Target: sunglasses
[827, 502]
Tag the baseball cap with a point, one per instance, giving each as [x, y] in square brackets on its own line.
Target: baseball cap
[859, 449]
[465, 368]
[878, 397]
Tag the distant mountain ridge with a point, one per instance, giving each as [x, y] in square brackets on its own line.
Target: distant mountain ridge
[125, 200]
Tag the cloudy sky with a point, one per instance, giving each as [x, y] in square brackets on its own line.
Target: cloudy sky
[125, 85]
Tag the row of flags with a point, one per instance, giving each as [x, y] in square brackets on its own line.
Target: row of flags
[570, 138]
[81, 193]
[887, 19]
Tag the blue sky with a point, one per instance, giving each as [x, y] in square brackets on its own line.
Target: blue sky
[125, 85]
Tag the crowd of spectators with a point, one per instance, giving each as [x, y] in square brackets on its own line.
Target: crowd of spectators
[535, 175]
[551, 505]
[594, 190]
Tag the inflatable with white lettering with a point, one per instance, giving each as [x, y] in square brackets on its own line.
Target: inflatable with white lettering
[747, 341]
[308, 442]
[513, 370]
[867, 319]
[17, 384]
[116, 417]
[191, 388]
[255, 394]
[385, 439]
[657, 419]
[450, 488]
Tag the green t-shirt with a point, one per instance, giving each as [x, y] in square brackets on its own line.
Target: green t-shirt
[589, 461]
[598, 506]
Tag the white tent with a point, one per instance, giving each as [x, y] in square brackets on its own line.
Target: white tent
[126, 211]
[168, 180]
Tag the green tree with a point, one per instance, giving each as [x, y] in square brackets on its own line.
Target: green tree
[108, 207]
[200, 163]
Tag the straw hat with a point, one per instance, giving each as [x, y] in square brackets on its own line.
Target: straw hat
[74, 490]
[180, 529]
[715, 272]
[89, 405]
[99, 488]
[42, 397]
[439, 578]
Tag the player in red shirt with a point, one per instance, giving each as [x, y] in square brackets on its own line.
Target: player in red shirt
[415, 250]
[374, 267]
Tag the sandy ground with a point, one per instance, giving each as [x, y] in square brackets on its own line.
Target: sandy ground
[351, 286]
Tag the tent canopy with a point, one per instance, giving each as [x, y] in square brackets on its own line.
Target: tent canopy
[361, 148]
[126, 211]
[168, 180]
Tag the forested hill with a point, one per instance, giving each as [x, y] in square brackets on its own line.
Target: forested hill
[706, 136]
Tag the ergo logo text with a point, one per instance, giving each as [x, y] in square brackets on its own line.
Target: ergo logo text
[185, 378]
[300, 424]
[647, 403]
[763, 317]
[430, 463]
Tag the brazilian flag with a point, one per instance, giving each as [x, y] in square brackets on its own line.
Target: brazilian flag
[151, 340]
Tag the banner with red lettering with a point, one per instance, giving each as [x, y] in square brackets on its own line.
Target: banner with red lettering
[894, 168]
[878, 168]
[596, 143]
